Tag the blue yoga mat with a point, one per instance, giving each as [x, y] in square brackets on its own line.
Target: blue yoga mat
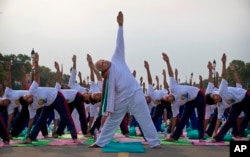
[129, 147]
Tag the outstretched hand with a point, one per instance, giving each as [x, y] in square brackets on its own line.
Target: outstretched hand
[209, 65]
[56, 65]
[163, 72]
[165, 57]
[224, 58]
[74, 58]
[120, 18]
[146, 65]
[89, 58]
[232, 67]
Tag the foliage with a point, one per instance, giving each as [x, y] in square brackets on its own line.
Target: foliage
[17, 61]
[243, 71]
[48, 78]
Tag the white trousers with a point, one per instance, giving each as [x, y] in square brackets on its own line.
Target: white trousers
[137, 106]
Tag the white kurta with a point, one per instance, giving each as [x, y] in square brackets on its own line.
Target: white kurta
[125, 95]
[73, 85]
[13, 96]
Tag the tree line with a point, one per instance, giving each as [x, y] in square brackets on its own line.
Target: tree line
[47, 77]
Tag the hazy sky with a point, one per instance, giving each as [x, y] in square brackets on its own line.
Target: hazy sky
[191, 32]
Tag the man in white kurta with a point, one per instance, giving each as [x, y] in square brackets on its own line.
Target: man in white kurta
[124, 94]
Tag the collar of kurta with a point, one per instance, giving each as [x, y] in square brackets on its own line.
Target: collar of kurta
[104, 100]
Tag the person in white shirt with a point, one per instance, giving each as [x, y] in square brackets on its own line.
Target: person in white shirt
[72, 84]
[74, 100]
[14, 105]
[49, 98]
[156, 96]
[121, 94]
[4, 132]
[95, 87]
[238, 98]
[189, 96]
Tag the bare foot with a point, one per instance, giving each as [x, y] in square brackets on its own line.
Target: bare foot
[202, 141]
[94, 146]
[170, 139]
[54, 135]
[27, 141]
[213, 141]
[6, 142]
[46, 136]
[88, 135]
[157, 147]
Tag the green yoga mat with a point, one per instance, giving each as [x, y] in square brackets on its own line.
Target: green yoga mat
[34, 143]
[129, 147]
[89, 141]
[183, 142]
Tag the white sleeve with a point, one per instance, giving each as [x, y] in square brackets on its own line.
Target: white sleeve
[72, 78]
[208, 112]
[11, 109]
[238, 85]
[58, 86]
[99, 84]
[32, 112]
[221, 111]
[111, 91]
[210, 88]
[175, 109]
[93, 111]
[156, 94]
[57, 116]
[93, 87]
[242, 114]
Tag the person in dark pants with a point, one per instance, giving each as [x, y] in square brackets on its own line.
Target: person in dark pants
[77, 104]
[157, 95]
[96, 97]
[124, 125]
[21, 121]
[238, 98]
[212, 122]
[75, 100]
[189, 96]
[49, 98]
[4, 133]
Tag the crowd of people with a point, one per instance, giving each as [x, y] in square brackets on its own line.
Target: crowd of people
[117, 99]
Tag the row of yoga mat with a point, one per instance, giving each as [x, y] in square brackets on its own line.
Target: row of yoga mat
[120, 143]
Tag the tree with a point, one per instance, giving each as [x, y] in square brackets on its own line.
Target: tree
[243, 71]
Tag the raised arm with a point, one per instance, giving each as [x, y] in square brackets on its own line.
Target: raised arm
[176, 75]
[165, 83]
[210, 72]
[74, 61]
[92, 66]
[61, 70]
[72, 77]
[141, 80]
[216, 83]
[157, 82]
[8, 82]
[134, 73]
[80, 79]
[166, 59]
[224, 70]
[23, 84]
[58, 73]
[201, 82]
[236, 77]
[146, 65]
[119, 50]
[36, 70]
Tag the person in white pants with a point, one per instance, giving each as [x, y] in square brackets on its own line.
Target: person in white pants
[121, 94]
